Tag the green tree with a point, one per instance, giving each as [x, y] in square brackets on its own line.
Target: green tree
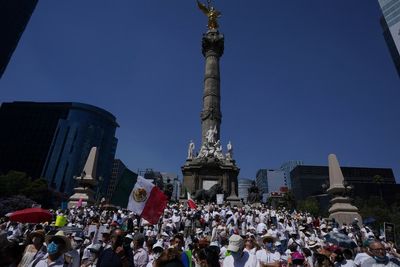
[13, 183]
[376, 208]
[288, 200]
[37, 190]
[18, 183]
[310, 205]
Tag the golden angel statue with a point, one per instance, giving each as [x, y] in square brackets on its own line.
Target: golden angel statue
[211, 13]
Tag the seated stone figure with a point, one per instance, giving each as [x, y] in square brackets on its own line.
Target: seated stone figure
[209, 195]
[254, 193]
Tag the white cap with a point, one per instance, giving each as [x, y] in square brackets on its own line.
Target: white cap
[235, 243]
[158, 244]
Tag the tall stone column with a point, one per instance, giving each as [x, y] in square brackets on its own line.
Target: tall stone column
[212, 49]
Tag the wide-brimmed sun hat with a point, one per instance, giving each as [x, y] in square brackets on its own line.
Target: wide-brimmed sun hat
[37, 233]
[60, 236]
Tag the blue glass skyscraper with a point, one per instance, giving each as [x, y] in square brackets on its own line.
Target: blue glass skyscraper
[390, 23]
[53, 141]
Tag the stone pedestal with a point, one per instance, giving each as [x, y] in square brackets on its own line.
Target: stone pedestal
[86, 194]
[202, 173]
[86, 183]
[341, 210]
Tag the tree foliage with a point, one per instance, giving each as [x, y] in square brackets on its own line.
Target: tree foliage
[309, 205]
[376, 208]
[12, 183]
[288, 200]
[18, 183]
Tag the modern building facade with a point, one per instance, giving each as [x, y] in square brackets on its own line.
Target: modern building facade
[53, 140]
[287, 167]
[262, 180]
[274, 180]
[243, 188]
[307, 182]
[116, 173]
[390, 23]
[172, 178]
[14, 16]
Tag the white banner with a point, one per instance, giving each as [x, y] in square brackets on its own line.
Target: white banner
[220, 199]
[207, 184]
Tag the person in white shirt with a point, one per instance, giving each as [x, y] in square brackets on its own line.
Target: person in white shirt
[238, 257]
[268, 256]
[249, 246]
[261, 227]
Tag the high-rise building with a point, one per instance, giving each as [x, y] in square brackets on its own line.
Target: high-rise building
[390, 23]
[177, 189]
[287, 167]
[116, 173]
[262, 180]
[308, 181]
[243, 188]
[14, 16]
[274, 180]
[172, 178]
[53, 140]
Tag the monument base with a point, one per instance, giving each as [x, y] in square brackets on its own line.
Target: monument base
[343, 211]
[342, 217]
[234, 201]
[83, 194]
[203, 173]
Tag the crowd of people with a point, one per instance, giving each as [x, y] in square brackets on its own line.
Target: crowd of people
[211, 235]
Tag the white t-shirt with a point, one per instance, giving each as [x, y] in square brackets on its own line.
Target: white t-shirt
[360, 258]
[251, 251]
[346, 263]
[247, 260]
[264, 256]
[272, 232]
[260, 227]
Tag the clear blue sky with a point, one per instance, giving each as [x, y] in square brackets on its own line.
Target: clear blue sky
[300, 79]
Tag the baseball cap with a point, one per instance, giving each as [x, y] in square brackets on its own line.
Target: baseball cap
[235, 243]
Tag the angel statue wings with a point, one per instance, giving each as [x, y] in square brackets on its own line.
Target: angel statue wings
[211, 13]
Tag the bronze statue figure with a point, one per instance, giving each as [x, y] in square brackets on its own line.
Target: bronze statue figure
[211, 13]
[208, 195]
[253, 194]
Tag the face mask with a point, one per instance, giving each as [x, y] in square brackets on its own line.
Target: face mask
[235, 255]
[379, 259]
[156, 255]
[52, 248]
[268, 246]
[132, 245]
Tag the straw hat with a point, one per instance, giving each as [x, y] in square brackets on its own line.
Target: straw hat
[60, 236]
[37, 233]
[268, 238]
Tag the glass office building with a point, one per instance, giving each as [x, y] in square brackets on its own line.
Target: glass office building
[390, 23]
[53, 140]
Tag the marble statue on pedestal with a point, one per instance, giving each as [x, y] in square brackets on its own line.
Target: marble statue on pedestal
[191, 150]
[229, 147]
[211, 133]
[211, 165]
